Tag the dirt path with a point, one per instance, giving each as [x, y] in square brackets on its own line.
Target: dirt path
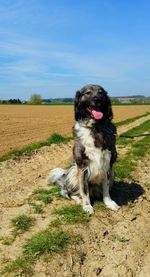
[127, 127]
[114, 244]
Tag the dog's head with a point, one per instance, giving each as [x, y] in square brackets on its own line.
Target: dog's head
[92, 102]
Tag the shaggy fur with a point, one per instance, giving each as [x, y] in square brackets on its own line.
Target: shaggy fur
[94, 151]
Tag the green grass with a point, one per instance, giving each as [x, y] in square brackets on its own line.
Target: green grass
[142, 128]
[127, 163]
[99, 205]
[55, 138]
[44, 242]
[141, 148]
[43, 195]
[130, 120]
[38, 209]
[22, 223]
[21, 266]
[55, 190]
[124, 167]
[72, 214]
[56, 223]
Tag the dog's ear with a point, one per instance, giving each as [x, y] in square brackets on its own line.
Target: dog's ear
[110, 112]
[76, 105]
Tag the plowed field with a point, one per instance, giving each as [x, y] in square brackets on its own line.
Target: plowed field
[22, 125]
[113, 244]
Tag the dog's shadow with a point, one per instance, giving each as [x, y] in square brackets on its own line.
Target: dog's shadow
[123, 192]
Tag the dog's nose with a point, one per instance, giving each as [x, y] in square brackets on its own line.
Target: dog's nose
[97, 98]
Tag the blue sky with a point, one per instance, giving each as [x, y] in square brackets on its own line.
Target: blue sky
[55, 47]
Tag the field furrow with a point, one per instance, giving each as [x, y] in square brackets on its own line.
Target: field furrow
[23, 125]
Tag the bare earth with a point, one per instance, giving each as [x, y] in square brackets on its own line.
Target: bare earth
[114, 244]
[23, 125]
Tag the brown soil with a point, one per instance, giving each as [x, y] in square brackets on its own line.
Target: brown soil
[114, 244]
[23, 125]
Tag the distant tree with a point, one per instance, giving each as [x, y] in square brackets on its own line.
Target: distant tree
[68, 100]
[35, 99]
[14, 101]
[46, 101]
[11, 101]
[115, 101]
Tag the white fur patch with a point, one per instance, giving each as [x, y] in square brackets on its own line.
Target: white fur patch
[99, 159]
[55, 175]
[110, 204]
[88, 208]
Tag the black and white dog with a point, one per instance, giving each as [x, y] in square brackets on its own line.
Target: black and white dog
[94, 151]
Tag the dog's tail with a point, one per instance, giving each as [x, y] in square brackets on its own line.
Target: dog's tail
[58, 175]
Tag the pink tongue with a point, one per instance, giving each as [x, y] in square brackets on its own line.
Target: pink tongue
[97, 115]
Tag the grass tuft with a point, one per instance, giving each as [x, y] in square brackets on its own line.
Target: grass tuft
[45, 242]
[56, 223]
[22, 223]
[72, 214]
[55, 191]
[43, 195]
[38, 209]
[21, 266]
[57, 138]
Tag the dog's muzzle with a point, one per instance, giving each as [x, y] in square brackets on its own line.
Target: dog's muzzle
[95, 113]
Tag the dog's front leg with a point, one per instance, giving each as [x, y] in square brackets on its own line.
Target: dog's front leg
[84, 190]
[106, 196]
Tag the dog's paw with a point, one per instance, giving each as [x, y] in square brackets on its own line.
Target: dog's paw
[77, 199]
[89, 209]
[112, 205]
[64, 194]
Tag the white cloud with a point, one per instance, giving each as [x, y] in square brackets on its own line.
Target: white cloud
[29, 60]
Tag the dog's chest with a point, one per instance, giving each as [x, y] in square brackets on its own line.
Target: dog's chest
[99, 159]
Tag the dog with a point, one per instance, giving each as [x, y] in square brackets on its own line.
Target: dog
[94, 151]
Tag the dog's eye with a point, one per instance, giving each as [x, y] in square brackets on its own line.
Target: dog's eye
[88, 93]
[100, 94]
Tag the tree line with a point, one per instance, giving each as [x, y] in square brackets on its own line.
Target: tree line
[34, 100]
[11, 101]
